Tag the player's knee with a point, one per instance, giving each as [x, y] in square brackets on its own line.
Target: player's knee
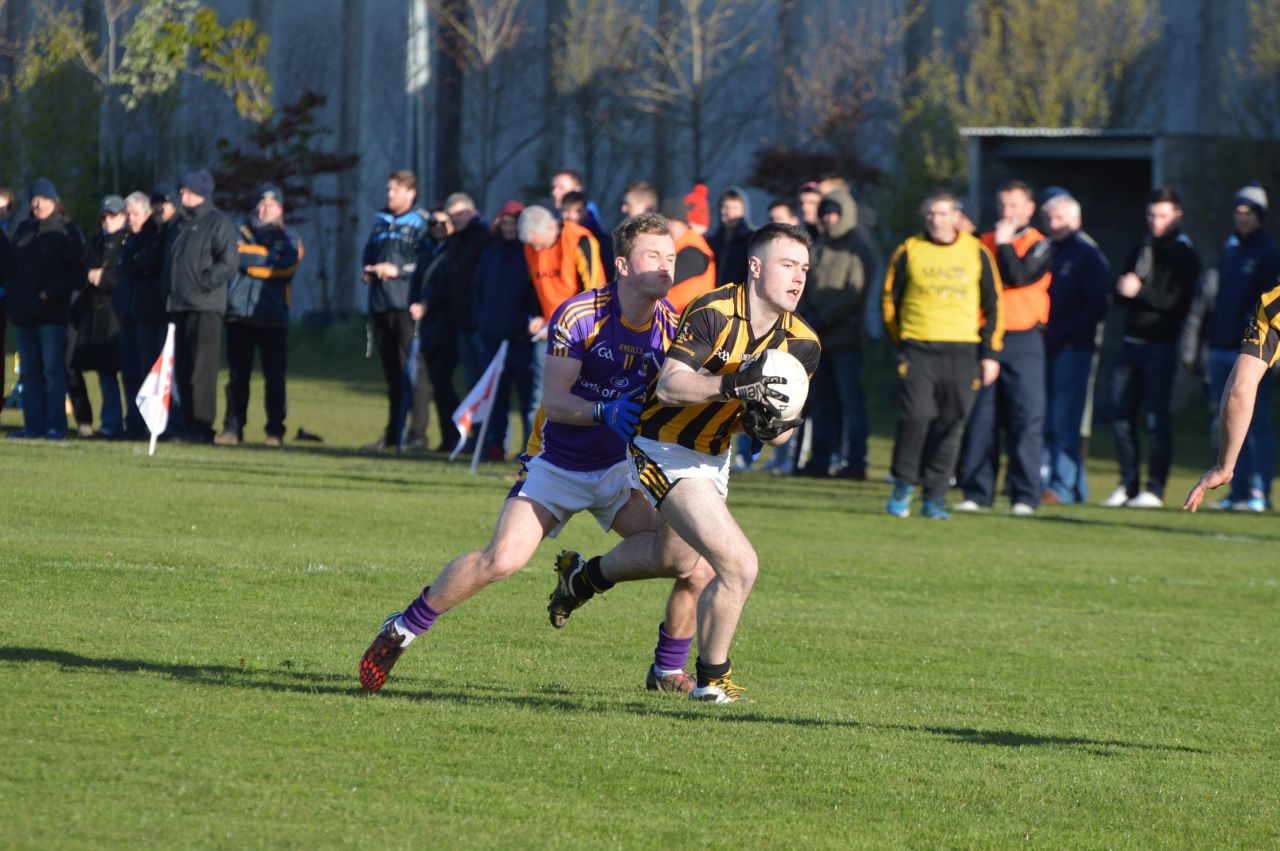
[695, 572]
[499, 564]
[740, 574]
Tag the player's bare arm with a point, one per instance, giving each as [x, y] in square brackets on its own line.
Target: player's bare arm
[1234, 418]
[558, 401]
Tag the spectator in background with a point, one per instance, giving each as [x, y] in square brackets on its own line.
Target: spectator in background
[938, 288]
[1248, 267]
[699, 209]
[729, 241]
[573, 207]
[563, 260]
[196, 273]
[783, 212]
[640, 198]
[566, 181]
[258, 317]
[46, 265]
[442, 293]
[833, 305]
[398, 243]
[503, 301]
[138, 304]
[1015, 404]
[93, 334]
[810, 197]
[695, 271]
[1155, 291]
[1078, 290]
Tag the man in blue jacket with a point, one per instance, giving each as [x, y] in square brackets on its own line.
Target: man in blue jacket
[258, 316]
[1248, 267]
[1077, 303]
[391, 256]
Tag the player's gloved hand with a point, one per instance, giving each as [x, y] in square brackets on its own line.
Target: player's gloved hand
[760, 421]
[621, 415]
[750, 384]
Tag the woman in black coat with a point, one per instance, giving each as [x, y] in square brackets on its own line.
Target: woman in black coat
[94, 333]
[46, 266]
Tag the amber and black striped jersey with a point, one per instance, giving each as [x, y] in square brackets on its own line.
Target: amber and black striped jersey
[1262, 335]
[714, 338]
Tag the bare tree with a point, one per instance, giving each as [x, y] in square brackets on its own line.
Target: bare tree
[693, 50]
[845, 78]
[481, 35]
[595, 43]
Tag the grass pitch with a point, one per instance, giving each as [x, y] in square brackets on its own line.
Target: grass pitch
[179, 638]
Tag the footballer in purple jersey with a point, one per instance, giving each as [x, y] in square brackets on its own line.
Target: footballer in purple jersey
[616, 362]
[603, 347]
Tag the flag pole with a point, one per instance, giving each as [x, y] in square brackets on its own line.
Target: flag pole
[484, 424]
[152, 450]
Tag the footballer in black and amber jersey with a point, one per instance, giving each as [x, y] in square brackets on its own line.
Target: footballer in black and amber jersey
[714, 338]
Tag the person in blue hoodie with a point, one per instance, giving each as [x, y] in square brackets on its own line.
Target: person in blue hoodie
[502, 300]
[398, 242]
[1248, 267]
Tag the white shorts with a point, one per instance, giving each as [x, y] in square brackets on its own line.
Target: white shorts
[566, 492]
[659, 465]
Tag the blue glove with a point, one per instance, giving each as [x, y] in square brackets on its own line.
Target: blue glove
[621, 415]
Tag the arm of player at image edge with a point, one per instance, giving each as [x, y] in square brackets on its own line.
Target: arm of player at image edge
[1234, 418]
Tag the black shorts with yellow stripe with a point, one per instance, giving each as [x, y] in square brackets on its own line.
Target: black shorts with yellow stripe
[715, 338]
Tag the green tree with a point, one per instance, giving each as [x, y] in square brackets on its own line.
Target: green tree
[135, 49]
[930, 150]
[1054, 63]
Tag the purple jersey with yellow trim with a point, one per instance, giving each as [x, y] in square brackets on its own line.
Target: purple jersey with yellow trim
[617, 360]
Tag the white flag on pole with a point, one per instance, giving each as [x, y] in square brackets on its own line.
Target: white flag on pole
[153, 396]
[479, 402]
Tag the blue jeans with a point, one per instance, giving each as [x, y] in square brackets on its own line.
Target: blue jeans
[111, 417]
[539, 361]
[131, 374]
[1257, 462]
[1068, 385]
[43, 350]
[1141, 392]
[839, 411]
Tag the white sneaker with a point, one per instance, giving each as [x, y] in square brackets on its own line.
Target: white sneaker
[722, 690]
[1118, 497]
[1146, 499]
[966, 505]
[1021, 509]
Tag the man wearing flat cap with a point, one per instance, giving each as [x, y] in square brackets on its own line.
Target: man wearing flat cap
[197, 271]
[258, 316]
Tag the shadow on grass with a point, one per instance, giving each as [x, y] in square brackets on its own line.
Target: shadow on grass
[551, 698]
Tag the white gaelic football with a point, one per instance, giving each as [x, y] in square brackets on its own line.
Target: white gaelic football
[796, 387]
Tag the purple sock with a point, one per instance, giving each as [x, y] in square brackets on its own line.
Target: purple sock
[671, 653]
[419, 616]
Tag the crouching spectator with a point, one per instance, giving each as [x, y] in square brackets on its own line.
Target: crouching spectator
[258, 316]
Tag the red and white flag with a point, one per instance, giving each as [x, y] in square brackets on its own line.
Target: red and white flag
[153, 396]
[479, 402]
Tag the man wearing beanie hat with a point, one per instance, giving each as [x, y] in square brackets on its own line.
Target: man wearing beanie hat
[695, 272]
[1248, 267]
[46, 264]
[197, 270]
[258, 316]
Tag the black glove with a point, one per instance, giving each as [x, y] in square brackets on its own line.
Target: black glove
[750, 384]
[761, 421]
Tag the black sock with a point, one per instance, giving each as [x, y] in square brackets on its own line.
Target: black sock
[590, 581]
[707, 673]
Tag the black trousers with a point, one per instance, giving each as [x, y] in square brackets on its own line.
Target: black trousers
[937, 386]
[392, 332]
[197, 351]
[271, 343]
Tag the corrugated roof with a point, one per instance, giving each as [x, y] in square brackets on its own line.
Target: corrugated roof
[1058, 132]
